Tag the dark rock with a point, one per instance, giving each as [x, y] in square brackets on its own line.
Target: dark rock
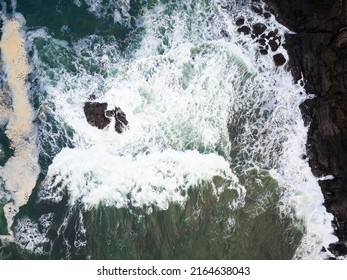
[272, 34]
[121, 121]
[273, 45]
[244, 29]
[267, 15]
[258, 10]
[293, 47]
[240, 21]
[109, 113]
[258, 28]
[95, 114]
[309, 15]
[318, 54]
[279, 59]
[6, 148]
[335, 193]
[328, 136]
[263, 51]
[262, 41]
[272, 11]
[305, 109]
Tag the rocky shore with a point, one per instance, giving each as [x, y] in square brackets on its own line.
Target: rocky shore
[317, 49]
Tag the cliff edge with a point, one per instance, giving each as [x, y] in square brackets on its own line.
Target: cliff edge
[317, 50]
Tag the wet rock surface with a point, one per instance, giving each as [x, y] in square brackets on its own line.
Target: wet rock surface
[318, 53]
[279, 59]
[240, 21]
[97, 115]
[244, 29]
[268, 40]
[258, 28]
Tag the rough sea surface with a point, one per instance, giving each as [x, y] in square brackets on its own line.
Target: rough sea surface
[212, 164]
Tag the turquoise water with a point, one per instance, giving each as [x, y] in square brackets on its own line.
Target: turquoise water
[211, 166]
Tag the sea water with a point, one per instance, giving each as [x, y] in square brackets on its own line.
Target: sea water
[212, 164]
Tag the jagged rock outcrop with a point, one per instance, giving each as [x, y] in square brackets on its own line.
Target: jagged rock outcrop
[97, 115]
[317, 49]
[267, 40]
[121, 121]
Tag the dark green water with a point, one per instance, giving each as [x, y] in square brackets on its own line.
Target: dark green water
[204, 228]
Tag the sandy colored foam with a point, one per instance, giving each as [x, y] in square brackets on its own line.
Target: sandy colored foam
[20, 171]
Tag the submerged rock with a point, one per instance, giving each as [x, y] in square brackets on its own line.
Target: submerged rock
[224, 33]
[257, 9]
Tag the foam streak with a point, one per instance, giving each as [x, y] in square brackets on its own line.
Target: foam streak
[21, 171]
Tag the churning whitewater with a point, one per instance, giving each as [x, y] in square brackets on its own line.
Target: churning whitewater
[211, 164]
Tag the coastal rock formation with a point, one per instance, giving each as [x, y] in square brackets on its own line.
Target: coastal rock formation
[97, 115]
[317, 49]
[279, 59]
[121, 120]
[268, 40]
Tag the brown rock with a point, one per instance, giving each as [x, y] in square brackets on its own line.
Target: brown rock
[244, 29]
[95, 114]
[240, 21]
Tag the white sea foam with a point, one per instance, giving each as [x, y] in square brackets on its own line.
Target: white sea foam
[281, 142]
[117, 9]
[31, 236]
[180, 89]
[94, 175]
